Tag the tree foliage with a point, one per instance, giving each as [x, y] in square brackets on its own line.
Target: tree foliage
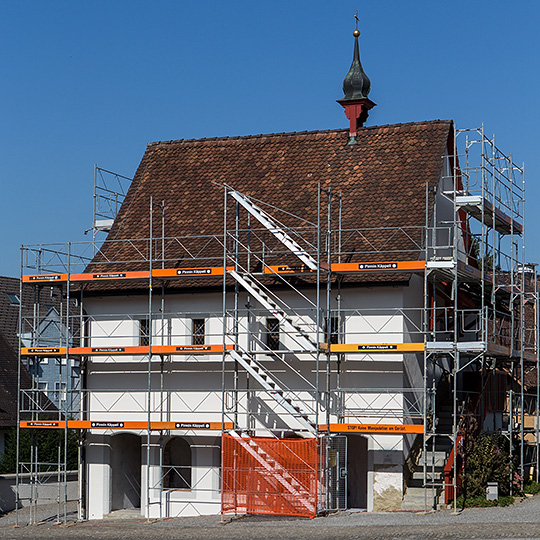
[486, 458]
[50, 448]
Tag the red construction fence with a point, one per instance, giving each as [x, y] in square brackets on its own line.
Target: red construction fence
[269, 476]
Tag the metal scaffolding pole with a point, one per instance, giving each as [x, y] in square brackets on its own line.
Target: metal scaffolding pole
[149, 378]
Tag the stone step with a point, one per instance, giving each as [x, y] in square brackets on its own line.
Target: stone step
[416, 499]
[419, 474]
[418, 483]
[419, 491]
[417, 506]
[437, 457]
[125, 513]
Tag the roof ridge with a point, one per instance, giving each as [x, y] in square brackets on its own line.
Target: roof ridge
[4, 280]
[293, 133]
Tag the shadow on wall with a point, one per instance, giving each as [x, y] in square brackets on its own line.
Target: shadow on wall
[126, 471]
[7, 493]
[357, 469]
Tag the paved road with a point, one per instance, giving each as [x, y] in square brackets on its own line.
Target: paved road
[522, 520]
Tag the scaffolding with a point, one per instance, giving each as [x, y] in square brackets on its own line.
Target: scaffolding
[110, 190]
[275, 351]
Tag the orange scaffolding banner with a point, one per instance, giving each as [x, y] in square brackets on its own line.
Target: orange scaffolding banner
[269, 476]
[373, 428]
[115, 424]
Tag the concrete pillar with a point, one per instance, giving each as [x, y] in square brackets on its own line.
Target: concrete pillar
[99, 475]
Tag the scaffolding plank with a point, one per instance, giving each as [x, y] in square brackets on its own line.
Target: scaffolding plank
[106, 276]
[209, 271]
[502, 351]
[47, 278]
[447, 269]
[484, 211]
[351, 268]
[288, 269]
[43, 424]
[111, 424]
[368, 348]
[190, 349]
[386, 266]
[100, 351]
[43, 351]
[190, 272]
[204, 271]
[389, 429]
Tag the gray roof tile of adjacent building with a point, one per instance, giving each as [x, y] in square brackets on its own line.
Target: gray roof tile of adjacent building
[9, 343]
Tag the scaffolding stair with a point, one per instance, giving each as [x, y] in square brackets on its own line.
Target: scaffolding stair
[277, 471]
[256, 290]
[262, 376]
[431, 494]
[275, 229]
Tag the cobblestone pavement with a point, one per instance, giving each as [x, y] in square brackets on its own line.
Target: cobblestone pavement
[519, 521]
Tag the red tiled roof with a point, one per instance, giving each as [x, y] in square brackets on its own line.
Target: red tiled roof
[382, 180]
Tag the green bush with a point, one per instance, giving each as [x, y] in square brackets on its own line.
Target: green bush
[532, 487]
[506, 500]
[481, 501]
[474, 502]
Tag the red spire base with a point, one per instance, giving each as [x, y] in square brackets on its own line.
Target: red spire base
[357, 111]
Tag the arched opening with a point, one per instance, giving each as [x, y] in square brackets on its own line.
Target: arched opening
[177, 464]
[357, 469]
[125, 471]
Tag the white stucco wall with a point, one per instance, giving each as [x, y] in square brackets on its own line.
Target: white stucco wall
[192, 386]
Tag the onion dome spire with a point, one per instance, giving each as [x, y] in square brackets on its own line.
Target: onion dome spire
[356, 87]
[356, 84]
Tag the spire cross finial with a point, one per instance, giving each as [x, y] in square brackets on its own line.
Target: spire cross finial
[357, 19]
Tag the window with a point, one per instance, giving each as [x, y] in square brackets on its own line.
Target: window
[14, 299]
[331, 334]
[144, 334]
[272, 333]
[43, 386]
[198, 332]
[177, 464]
[59, 391]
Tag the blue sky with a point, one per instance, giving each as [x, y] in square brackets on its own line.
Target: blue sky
[93, 82]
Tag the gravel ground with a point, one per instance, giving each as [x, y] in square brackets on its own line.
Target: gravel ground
[521, 520]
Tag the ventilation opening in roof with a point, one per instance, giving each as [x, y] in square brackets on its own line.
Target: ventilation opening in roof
[14, 299]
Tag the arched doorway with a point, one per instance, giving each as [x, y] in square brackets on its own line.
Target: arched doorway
[125, 471]
[357, 469]
[177, 464]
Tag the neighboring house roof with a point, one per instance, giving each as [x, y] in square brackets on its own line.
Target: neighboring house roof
[49, 299]
[9, 310]
[382, 180]
[9, 343]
